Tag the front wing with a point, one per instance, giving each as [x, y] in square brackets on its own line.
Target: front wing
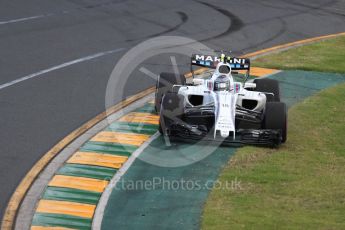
[265, 137]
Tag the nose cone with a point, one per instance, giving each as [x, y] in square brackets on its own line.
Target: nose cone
[224, 134]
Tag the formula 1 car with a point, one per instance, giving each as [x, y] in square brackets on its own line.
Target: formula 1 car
[215, 107]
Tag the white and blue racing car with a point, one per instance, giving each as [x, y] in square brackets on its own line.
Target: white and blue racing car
[215, 107]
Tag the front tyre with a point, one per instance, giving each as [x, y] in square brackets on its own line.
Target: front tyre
[165, 83]
[172, 109]
[267, 85]
[276, 118]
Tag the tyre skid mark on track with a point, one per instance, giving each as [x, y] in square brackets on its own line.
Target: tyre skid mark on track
[183, 17]
[238, 24]
[235, 22]
[280, 32]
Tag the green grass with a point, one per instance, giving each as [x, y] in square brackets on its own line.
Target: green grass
[323, 56]
[301, 185]
[298, 186]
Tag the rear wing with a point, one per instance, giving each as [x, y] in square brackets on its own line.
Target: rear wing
[211, 62]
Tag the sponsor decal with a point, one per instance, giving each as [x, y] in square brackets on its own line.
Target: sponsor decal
[207, 58]
[210, 58]
[209, 85]
[237, 87]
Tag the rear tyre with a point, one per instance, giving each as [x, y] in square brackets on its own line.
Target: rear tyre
[267, 85]
[172, 110]
[276, 118]
[164, 84]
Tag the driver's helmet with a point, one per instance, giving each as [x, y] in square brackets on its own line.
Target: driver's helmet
[222, 83]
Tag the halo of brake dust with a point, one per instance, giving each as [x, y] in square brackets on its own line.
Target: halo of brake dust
[157, 152]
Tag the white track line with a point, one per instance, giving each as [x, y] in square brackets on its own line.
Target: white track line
[25, 19]
[99, 213]
[63, 65]
[33, 17]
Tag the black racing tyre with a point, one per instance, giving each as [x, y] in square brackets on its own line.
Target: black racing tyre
[164, 84]
[276, 118]
[172, 110]
[269, 86]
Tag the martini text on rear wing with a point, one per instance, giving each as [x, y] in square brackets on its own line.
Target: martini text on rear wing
[211, 62]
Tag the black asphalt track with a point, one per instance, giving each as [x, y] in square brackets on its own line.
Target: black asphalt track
[39, 34]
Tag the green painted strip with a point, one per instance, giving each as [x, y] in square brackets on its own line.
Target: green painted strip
[79, 170]
[129, 127]
[72, 195]
[110, 148]
[58, 220]
[147, 108]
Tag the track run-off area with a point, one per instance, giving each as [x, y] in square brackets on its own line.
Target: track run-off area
[180, 208]
[62, 76]
[72, 195]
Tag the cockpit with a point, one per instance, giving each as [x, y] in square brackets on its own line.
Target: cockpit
[222, 83]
